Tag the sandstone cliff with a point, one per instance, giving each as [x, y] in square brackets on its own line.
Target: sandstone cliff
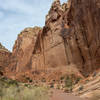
[4, 58]
[70, 39]
[82, 38]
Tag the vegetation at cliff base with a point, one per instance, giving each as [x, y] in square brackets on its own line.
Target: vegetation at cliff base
[12, 90]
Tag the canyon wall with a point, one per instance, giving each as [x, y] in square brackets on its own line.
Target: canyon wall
[22, 50]
[4, 58]
[82, 38]
[49, 49]
[70, 38]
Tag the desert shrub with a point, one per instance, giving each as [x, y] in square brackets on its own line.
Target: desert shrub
[77, 80]
[13, 82]
[26, 85]
[4, 82]
[51, 85]
[62, 78]
[29, 79]
[81, 88]
[43, 80]
[68, 82]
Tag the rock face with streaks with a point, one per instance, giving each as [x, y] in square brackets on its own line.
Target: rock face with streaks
[82, 38]
[4, 58]
[70, 38]
[40, 52]
[49, 50]
[23, 48]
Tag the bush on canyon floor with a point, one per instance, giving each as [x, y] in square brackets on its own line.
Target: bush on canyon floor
[12, 90]
[29, 79]
[43, 80]
[68, 84]
[70, 81]
[62, 78]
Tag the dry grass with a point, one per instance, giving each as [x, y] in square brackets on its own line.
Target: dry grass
[11, 90]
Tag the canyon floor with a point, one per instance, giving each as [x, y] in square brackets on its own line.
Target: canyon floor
[60, 95]
[11, 90]
[87, 89]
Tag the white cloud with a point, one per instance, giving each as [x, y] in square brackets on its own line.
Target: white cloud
[19, 14]
[15, 6]
[24, 6]
[15, 15]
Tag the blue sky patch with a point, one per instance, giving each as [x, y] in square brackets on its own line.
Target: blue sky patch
[15, 15]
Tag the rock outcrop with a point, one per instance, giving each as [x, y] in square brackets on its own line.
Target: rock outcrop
[89, 88]
[82, 38]
[22, 50]
[70, 38]
[4, 58]
[40, 53]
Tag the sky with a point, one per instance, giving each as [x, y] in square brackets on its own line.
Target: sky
[16, 15]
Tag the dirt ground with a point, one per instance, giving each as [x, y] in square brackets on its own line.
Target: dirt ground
[60, 95]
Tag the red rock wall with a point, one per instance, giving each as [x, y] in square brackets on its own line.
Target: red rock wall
[79, 26]
[22, 51]
[83, 34]
[4, 59]
[71, 36]
[49, 50]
